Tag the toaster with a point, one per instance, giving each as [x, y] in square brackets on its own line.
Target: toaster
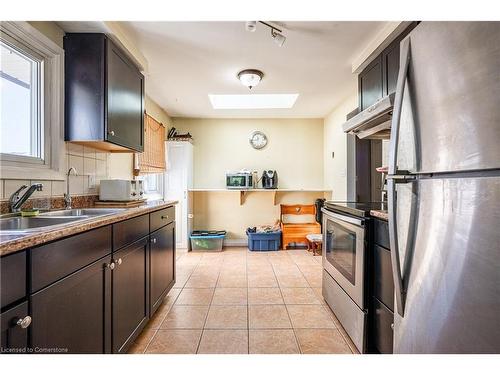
[121, 190]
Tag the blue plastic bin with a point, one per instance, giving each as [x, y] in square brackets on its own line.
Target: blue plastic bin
[264, 241]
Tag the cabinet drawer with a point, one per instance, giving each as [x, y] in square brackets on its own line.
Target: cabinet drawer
[13, 276]
[58, 259]
[381, 235]
[382, 330]
[131, 230]
[162, 217]
[383, 283]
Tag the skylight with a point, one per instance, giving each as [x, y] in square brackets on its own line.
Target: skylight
[253, 101]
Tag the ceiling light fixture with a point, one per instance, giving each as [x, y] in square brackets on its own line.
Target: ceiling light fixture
[251, 26]
[276, 33]
[250, 77]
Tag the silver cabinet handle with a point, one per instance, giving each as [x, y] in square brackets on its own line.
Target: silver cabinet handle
[24, 322]
[111, 265]
[119, 261]
[153, 240]
[111, 133]
[391, 183]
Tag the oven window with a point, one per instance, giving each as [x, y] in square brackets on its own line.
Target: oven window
[341, 250]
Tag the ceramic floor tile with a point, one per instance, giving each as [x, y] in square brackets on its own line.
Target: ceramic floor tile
[264, 296]
[272, 341]
[227, 317]
[321, 341]
[193, 296]
[142, 341]
[255, 281]
[201, 282]
[230, 296]
[175, 341]
[299, 296]
[268, 316]
[219, 341]
[232, 282]
[292, 281]
[309, 316]
[185, 317]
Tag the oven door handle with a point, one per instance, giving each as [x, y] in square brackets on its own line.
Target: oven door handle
[346, 219]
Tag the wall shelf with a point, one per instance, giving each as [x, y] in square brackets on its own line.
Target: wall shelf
[244, 192]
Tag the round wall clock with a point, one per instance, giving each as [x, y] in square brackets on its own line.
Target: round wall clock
[258, 140]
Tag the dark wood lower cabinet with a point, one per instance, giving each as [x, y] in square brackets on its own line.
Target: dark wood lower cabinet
[73, 314]
[130, 294]
[162, 258]
[14, 337]
[382, 327]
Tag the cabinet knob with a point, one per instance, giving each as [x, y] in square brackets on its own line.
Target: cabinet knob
[111, 265]
[153, 240]
[164, 217]
[119, 261]
[111, 133]
[392, 326]
[24, 322]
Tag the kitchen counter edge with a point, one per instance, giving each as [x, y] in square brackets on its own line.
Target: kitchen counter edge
[384, 215]
[8, 247]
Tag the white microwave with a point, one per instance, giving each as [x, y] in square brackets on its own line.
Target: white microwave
[121, 190]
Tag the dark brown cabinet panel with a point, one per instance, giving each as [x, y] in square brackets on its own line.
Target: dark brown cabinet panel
[74, 313]
[13, 278]
[14, 336]
[104, 94]
[370, 84]
[128, 231]
[130, 294]
[162, 258]
[383, 283]
[162, 217]
[58, 259]
[382, 327]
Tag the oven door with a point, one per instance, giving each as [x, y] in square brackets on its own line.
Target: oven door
[344, 253]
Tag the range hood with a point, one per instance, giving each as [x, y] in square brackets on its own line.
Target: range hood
[374, 122]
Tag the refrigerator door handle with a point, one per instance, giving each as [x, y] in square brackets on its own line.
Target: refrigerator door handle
[399, 291]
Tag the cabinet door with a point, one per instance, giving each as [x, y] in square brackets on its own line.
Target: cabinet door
[73, 314]
[390, 62]
[370, 83]
[125, 106]
[130, 294]
[14, 330]
[162, 264]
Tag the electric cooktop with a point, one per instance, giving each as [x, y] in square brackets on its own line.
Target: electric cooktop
[361, 209]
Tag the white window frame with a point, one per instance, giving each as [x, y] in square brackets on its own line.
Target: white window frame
[158, 193]
[52, 163]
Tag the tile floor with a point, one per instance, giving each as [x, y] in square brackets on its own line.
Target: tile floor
[239, 302]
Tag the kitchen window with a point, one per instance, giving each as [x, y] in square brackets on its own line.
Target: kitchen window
[31, 77]
[153, 186]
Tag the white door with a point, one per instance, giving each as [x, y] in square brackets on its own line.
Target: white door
[177, 182]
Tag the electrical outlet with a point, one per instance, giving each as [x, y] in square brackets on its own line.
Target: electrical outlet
[92, 182]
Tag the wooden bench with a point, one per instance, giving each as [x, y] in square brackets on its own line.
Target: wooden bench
[297, 232]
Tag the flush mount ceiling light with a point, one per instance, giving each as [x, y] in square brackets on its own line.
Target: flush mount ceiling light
[253, 101]
[250, 77]
[276, 33]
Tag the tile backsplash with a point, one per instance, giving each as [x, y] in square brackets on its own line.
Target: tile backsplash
[91, 166]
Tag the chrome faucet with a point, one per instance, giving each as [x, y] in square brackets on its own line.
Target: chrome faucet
[15, 202]
[67, 196]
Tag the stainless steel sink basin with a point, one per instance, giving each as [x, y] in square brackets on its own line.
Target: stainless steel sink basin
[27, 223]
[82, 212]
[14, 224]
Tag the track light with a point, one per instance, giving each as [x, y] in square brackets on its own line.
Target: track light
[276, 33]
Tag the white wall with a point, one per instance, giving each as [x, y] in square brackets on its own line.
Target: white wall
[294, 149]
[335, 140]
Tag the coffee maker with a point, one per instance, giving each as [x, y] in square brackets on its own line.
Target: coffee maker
[270, 179]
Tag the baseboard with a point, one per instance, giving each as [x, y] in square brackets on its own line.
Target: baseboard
[237, 242]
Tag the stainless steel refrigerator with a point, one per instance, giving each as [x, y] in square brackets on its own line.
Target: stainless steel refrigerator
[444, 190]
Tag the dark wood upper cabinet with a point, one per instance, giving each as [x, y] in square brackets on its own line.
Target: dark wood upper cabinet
[130, 294]
[370, 84]
[162, 258]
[104, 94]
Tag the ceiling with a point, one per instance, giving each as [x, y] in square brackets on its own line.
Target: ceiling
[189, 60]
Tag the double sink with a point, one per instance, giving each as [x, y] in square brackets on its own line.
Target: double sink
[15, 224]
